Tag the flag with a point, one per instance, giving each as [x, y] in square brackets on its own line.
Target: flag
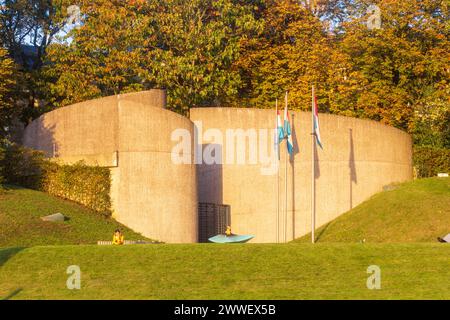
[279, 135]
[280, 129]
[316, 121]
[287, 128]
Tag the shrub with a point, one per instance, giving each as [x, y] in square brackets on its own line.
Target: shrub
[429, 161]
[87, 185]
[22, 166]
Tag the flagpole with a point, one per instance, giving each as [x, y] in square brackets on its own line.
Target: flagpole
[313, 170]
[278, 176]
[285, 179]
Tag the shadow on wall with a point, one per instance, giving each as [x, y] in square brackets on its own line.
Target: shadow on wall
[45, 138]
[210, 194]
[292, 161]
[24, 167]
[49, 140]
[41, 138]
[211, 170]
[352, 167]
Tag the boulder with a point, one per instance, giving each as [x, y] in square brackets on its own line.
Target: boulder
[57, 217]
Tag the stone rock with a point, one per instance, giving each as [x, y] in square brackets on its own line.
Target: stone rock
[57, 217]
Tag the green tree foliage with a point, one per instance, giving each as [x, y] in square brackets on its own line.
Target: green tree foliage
[185, 46]
[28, 27]
[7, 89]
[293, 52]
[87, 185]
[247, 53]
[103, 58]
[401, 67]
[429, 161]
[30, 22]
[389, 74]
[22, 166]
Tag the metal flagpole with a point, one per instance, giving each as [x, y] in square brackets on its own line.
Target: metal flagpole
[285, 177]
[313, 170]
[278, 175]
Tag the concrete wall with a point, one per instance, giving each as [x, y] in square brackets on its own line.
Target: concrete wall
[358, 159]
[155, 196]
[131, 135]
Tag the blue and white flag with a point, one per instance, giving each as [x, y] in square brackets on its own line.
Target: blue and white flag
[279, 135]
[316, 121]
[280, 130]
[287, 128]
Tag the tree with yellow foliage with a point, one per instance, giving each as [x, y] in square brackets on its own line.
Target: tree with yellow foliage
[291, 53]
[8, 109]
[184, 46]
[400, 68]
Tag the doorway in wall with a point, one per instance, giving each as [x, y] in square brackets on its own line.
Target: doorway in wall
[213, 220]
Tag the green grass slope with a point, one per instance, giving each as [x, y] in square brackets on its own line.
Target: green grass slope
[291, 271]
[417, 211]
[21, 226]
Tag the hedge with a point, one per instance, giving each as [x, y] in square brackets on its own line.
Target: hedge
[429, 161]
[87, 185]
[22, 166]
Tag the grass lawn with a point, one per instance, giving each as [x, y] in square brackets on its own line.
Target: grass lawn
[34, 266]
[250, 271]
[21, 226]
[417, 211]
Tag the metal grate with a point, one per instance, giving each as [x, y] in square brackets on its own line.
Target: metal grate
[213, 220]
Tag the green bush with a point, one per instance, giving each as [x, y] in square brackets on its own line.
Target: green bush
[429, 161]
[22, 166]
[87, 185]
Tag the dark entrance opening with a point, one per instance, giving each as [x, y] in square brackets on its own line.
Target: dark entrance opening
[213, 220]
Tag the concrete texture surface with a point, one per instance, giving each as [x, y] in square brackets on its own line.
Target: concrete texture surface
[132, 135]
[358, 159]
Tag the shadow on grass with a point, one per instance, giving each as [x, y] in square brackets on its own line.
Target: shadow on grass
[6, 254]
[12, 187]
[12, 294]
[322, 232]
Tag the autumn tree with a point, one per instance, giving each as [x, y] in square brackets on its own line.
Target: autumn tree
[30, 22]
[186, 47]
[103, 56]
[402, 66]
[396, 73]
[7, 86]
[28, 27]
[293, 52]
[247, 53]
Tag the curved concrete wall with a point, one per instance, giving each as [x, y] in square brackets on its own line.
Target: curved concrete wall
[358, 159]
[131, 134]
